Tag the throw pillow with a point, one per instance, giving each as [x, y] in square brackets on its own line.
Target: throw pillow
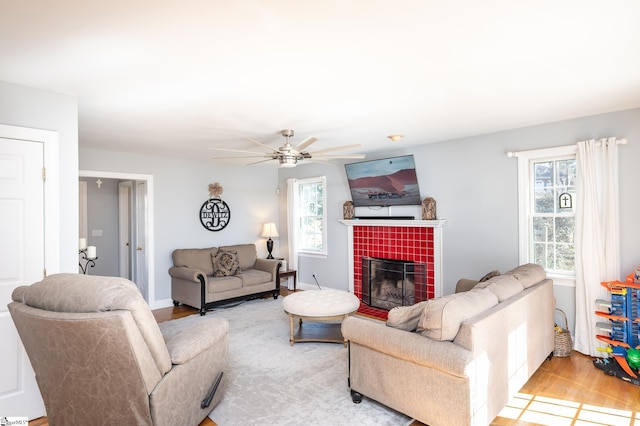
[489, 275]
[406, 317]
[442, 316]
[225, 263]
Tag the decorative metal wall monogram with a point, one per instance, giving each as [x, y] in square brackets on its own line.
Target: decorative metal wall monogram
[215, 213]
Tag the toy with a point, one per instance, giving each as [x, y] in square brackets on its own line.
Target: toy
[622, 330]
[633, 358]
[610, 367]
[634, 277]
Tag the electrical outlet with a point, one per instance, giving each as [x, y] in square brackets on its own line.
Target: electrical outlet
[96, 232]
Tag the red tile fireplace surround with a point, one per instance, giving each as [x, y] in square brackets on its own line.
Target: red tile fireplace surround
[408, 240]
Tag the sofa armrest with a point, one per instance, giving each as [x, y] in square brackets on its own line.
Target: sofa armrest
[188, 274]
[409, 346]
[187, 337]
[268, 265]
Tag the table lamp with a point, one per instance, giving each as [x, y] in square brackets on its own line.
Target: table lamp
[269, 230]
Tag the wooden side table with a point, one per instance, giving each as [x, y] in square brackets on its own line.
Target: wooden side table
[290, 273]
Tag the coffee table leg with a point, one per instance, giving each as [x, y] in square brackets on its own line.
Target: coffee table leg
[290, 329]
[345, 340]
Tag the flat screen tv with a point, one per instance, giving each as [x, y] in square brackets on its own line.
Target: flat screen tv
[385, 182]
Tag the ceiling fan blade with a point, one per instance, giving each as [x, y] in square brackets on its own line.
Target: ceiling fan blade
[305, 143]
[234, 150]
[337, 148]
[261, 161]
[267, 156]
[261, 144]
[314, 160]
[338, 156]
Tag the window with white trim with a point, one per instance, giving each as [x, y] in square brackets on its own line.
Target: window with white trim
[311, 221]
[547, 200]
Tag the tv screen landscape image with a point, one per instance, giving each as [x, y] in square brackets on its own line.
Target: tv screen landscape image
[384, 182]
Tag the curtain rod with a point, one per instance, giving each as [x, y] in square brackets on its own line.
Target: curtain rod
[511, 154]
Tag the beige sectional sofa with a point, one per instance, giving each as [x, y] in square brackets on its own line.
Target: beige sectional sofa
[208, 277]
[455, 360]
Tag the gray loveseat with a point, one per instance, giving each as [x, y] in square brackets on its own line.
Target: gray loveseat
[208, 277]
[458, 359]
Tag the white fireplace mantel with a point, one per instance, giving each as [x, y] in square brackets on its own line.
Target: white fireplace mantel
[395, 222]
[437, 226]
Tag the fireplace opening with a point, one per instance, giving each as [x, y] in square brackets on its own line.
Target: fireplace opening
[387, 283]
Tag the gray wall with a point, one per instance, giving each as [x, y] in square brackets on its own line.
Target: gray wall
[333, 270]
[38, 109]
[102, 214]
[475, 187]
[180, 189]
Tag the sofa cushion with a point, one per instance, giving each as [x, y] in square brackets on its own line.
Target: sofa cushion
[503, 286]
[406, 317]
[247, 254]
[195, 258]
[442, 316]
[225, 263]
[220, 284]
[528, 274]
[254, 277]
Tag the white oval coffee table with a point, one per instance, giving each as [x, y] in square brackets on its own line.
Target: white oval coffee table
[323, 308]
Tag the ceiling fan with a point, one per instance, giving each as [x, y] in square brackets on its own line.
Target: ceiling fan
[289, 155]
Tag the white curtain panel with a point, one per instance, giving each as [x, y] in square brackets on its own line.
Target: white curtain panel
[597, 235]
[292, 230]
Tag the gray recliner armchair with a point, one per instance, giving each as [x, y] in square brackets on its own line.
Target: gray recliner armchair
[101, 358]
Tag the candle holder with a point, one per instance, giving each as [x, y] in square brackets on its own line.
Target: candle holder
[88, 261]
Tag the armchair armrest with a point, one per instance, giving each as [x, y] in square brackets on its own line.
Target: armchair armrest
[187, 337]
[268, 265]
[188, 274]
[413, 347]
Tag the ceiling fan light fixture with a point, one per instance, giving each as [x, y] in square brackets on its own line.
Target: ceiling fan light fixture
[288, 161]
[395, 138]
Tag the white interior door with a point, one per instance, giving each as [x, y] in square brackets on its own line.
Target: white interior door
[22, 262]
[124, 228]
[141, 278]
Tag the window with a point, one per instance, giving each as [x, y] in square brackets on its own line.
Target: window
[547, 199]
[311, 222]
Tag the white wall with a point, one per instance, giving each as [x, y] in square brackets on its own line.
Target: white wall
[475, 187]
[38, 109]
[180, 188]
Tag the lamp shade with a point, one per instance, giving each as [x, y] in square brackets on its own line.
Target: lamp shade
[269, 230]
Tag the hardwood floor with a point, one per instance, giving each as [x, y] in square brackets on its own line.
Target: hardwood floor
[564, 391]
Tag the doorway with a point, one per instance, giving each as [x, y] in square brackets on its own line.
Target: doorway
[132, 253]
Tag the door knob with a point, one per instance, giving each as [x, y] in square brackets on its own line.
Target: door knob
[139, 248]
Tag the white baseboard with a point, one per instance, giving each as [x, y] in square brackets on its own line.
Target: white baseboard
[307, 286]
[158, 304]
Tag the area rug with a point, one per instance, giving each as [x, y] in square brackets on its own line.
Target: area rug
[273, 383]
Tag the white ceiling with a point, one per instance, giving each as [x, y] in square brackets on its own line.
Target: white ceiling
[176, 77]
